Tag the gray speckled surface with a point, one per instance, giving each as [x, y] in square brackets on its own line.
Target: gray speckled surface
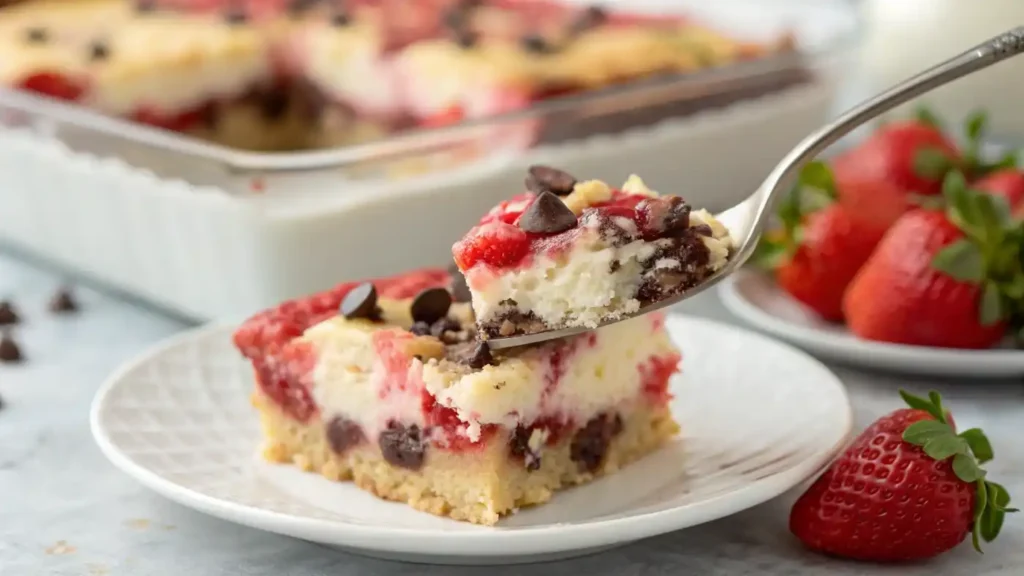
[65, 510]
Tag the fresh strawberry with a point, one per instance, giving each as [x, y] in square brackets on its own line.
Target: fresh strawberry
[880, 202]
[1007, 183]
[948, 278]
[911, 154]
[821, 245]
[496, 243]
[908, 488]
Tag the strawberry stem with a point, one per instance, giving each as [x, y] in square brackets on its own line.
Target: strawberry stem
[815, 189]
[968, 450]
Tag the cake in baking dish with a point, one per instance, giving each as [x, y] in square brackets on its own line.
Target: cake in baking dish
[571, 253]
[387, 384]
[324, 73]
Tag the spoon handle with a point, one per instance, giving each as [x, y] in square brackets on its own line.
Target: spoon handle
[1006, 45]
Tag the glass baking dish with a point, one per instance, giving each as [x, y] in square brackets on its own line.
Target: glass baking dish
[819, 41]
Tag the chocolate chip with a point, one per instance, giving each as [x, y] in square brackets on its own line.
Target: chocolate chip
[273, 103]
[591, 17]
[236, 15]
[63, 302]
[431, 305]
[98, 51]
[455, 18]
[37, 35]
[458, 286]
[210, 115]
[10, 352]
[402, 447]
[8, 315]
[536, 44]
[296, 7]
[341, 18]
[590, 443]
[546, 178]
[442, 326]
[420, 328]
[547, 214]
[519, 447]
[703, 230]
[360, 302]
[614, 266]
[474, 354]
[343, 434]
[466, 39]
[145, 6]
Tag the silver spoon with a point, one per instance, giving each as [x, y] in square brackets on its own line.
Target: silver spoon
[746, 220]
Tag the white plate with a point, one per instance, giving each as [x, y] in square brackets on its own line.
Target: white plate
[758, 417]
[754, 297]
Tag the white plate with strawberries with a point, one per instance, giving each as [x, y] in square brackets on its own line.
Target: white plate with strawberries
[905, 253]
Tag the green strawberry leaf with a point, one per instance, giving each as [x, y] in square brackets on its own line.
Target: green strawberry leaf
[967, 469]
[961, 260]
[814, 199]
[991, 311]
[995, 512]
[976, 124]
[945, 445]
[923, 431]
[979, 444]
[919, 403]
[931, 163]
[925, 116]
[770, 255]
[818, 175]
[980, 506]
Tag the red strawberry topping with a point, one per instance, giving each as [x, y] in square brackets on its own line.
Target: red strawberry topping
[497, 244]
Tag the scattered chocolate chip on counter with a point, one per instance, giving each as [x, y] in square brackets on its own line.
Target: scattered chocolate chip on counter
[360, 302]
[10, 352]
[63, 302]
[548, 179]
[431, 305]
[547, 214]
[8, 314]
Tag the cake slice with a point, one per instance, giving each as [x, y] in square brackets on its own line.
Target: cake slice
[385, 384]
[570, 253]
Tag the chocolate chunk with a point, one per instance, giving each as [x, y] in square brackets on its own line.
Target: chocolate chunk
[519, 447]
[446, 330]
[8, 315]
[677, 217]
[591, 17]
[360, 302]
[420, 328]
[99, 51]
[296, 7]
[474, 354]
[37, 35]
[536, 44]
[341, 18]
[10, 352]
[547, 214]
[590, 443]
[703, 230]
[614, 266]
[210, 115]
[63, 302]
[455, 18]
[145, 6]
[431, 305]
[402, 447]
[236, 15]
[546, 178]
[343, 434]
[458, 286]
[273, 103]
[466, 39]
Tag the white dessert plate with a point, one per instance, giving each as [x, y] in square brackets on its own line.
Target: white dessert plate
[757, 299]
[758, 416]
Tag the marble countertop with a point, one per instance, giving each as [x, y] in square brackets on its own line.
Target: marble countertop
[64, 510]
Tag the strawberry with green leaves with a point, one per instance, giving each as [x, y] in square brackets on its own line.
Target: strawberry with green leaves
[908, 488]
[821, 244]
[948, 278]
[1008, 183]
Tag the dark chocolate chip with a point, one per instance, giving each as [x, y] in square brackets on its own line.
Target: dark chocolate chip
[99, 51]
[8, 315]
[37, 35]
[591, 17]
[431, 305]
[210, 115]
[420, 328]
[296, 7]
[444, 325]
[402, 447]
[273, 103]
[614, 266]
[678, 215]
[455, 18]
[466, 39]
[590, 443]
[341, 18]
[360, 302]
[546, 178]
[547, 214]
[343, 434]
[145, 6]
[10, 352]
[519, 447]
[63, 302]
[536, 44]
[703, 230]
[236, 15]
[458, 286]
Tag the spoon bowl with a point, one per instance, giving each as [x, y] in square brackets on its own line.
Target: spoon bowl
[746, 220]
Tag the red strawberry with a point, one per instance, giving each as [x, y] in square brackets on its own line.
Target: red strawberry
[941, 278]
[52, 85]
[496, 243]
[822, 244]
[1008, 183]
[910, 154]
[908, 488]
[879, 201]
